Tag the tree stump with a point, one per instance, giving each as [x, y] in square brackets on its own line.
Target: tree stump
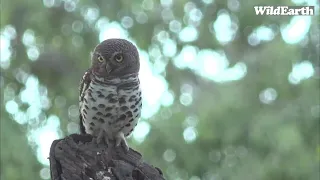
[77, 157]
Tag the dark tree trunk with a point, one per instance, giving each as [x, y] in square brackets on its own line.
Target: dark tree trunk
[76, 157]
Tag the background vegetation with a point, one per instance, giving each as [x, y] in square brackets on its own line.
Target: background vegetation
[228, 95]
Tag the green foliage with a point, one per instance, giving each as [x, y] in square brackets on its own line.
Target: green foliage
[230, 130]
[18, 160]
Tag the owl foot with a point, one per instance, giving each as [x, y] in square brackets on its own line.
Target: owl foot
[120, 140]
[102, 137]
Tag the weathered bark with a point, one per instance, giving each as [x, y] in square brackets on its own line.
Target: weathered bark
[76, 157]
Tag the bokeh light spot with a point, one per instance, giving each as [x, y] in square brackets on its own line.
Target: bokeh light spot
[186, 99]
[90, 14]
[142, 18]
[191, 121]
[77, 26]
[169, 155]
[188, 34]
[175, 26]
[48, 3]
[73, 127]
[45, 173]
[12, 107]
[234, 5]
[225, 29]
[69, 6]
[73, 112]
[112, 30]
[167, 98]
[268, 95]
[301, 71]
[296, 30]
[190, 134]
[166, 3]
[169, 48]
[127, 22]
[33, 53]
[28, 38]
[141, 131]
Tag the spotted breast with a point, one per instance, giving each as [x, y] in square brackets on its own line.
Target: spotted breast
[111, 105]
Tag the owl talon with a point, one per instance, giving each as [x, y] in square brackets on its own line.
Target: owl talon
[102, 138]
[120, 140]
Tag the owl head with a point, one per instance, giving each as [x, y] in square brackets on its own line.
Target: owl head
[115, 58]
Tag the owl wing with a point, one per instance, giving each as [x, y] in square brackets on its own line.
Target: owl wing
[84, 85]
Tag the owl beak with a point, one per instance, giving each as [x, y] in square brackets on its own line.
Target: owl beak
[108, 68]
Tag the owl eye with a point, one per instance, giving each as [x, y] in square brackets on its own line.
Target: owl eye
[100, 59]
[118, 57]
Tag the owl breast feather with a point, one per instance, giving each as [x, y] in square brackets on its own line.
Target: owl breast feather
[111, 107]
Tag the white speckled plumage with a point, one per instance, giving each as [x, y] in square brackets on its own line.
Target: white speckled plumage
[111, 105]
